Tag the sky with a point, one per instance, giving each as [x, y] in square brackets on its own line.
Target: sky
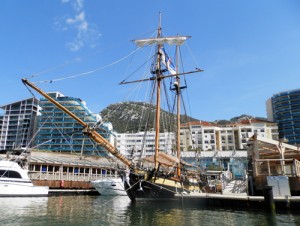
[249, 50]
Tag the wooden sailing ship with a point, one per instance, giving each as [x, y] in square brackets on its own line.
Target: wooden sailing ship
[166, 175]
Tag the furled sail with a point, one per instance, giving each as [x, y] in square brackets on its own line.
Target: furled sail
[176, 40]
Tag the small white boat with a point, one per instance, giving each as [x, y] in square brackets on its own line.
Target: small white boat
[109, 186]
[15, 182]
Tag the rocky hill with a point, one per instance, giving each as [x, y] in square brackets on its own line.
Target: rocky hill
[139, 116]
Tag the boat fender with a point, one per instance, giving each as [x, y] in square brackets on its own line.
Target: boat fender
[62, 183]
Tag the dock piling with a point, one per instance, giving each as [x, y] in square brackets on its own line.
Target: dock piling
[269, 199]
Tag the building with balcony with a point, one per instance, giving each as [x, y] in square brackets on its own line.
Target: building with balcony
[143, 144]
[284, 108]
[59, 132]
[1, 122]
[18, 124]
[205, 136]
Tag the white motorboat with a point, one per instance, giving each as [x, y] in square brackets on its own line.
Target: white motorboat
[15, 182]
[109, 186]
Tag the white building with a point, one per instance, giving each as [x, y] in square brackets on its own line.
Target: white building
[135, 144]
[205, 136]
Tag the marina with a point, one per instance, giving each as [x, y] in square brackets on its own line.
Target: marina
[146, 158]
[163, 175]
[78, 174]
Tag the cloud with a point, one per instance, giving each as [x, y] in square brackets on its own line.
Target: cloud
[85, 34]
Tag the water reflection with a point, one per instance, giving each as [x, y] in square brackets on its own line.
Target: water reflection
[100, 210]
[16, 211]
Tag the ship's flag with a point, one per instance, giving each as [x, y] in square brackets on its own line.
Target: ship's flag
[167, 61]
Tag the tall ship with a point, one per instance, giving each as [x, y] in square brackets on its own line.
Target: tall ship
[163, 175]
[168, 174]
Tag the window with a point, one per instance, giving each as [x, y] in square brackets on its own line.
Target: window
[9, 174]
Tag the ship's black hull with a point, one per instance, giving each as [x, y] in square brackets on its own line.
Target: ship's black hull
[138, 188]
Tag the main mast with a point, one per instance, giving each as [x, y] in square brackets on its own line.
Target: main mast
[158, 80]
[177, 90]
[159, 41]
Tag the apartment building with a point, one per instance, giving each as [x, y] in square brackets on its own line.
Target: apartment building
[141, 143]
[18, 124]
[59, 132]
[1, 122]
[205, 136]
[284, 108]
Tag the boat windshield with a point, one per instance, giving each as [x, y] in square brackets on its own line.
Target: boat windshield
[9, 174]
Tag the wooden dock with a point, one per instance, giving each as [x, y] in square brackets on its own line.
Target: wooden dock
[236, 201]
[63, 192]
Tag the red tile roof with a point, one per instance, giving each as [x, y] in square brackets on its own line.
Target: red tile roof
[197, 123]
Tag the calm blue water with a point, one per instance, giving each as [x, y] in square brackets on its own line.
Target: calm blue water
[100, 210]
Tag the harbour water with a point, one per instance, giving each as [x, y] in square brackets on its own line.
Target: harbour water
[100, 210]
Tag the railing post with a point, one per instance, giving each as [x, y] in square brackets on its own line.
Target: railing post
[269, 170]
[296, 166]
[256, 171]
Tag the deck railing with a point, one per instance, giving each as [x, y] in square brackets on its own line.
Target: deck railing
[275, 167]
[86, 177]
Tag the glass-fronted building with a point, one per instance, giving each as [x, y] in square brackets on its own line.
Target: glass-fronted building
[284, 108]
[59, 132]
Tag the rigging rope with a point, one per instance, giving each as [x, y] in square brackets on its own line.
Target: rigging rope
[192, 55]
[105, 203]
[90, 72]
[36, 134]
[83, 57]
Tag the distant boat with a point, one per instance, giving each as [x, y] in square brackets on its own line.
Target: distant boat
[109, 186]
[15, 182]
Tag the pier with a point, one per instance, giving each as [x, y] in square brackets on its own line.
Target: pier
[236, 201]
[68, 171]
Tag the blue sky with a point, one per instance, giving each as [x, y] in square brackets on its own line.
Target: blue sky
[249, 50]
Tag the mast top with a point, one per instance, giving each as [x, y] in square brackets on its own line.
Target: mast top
[159, 40]
[175, 40]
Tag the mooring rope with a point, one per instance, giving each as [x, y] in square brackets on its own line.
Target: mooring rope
[107, 202]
